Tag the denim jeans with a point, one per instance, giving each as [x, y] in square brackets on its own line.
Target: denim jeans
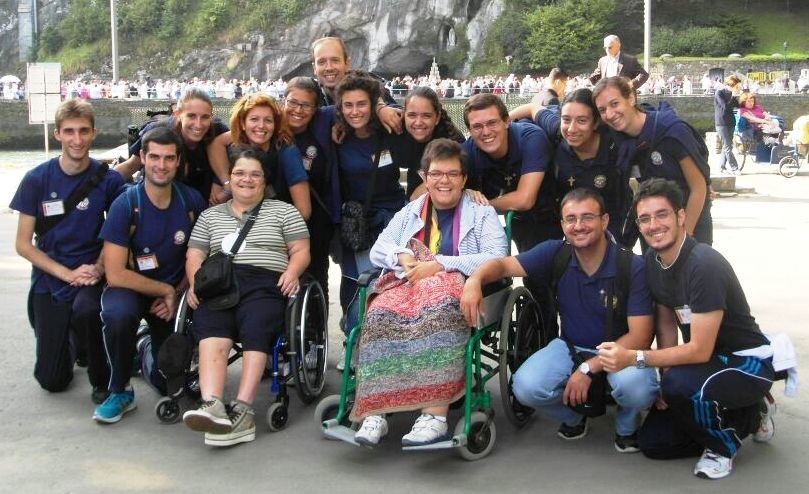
[540, 383]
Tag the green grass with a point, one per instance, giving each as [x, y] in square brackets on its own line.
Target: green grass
[773, 28]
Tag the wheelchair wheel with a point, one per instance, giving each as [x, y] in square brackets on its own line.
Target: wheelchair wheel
[168, 410]
[327, 409]
[277, 416]
[520, 336]
[309, 342]
[482, 435]
[788, 166]
[184, 319]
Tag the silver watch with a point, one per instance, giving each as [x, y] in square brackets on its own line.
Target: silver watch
[640, 359]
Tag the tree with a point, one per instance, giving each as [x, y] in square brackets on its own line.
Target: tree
[568, 33]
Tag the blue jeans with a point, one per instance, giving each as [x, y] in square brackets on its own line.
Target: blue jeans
[540, 383]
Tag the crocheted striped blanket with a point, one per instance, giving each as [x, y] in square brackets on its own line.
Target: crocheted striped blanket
[411, 349]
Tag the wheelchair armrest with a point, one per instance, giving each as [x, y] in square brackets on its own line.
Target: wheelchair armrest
[496, 286]
[367, 276]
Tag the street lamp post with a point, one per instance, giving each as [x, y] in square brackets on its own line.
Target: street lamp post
[786, 45]
[114, 38]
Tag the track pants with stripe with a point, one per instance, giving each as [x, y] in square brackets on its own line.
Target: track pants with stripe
[697, 394]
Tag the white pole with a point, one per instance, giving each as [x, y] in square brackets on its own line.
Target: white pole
[647, 33]
[114, 32]
[47, 151]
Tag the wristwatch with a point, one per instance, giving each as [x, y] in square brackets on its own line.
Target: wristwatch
[584, 368]
[640, 360]
[225, 187]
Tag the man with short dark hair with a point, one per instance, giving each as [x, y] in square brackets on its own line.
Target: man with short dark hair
[145, 239]
[559, 375]
[616, 62]
[59, 237]
[724, 362]
[330, 63]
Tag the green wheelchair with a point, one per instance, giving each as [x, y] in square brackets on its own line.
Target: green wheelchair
[509, 333]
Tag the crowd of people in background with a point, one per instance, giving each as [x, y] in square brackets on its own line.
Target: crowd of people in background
[399, 86]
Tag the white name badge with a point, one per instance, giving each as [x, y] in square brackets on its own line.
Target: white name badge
[229, 240]
[683, 314]
[147, 262]
[385, 159]
[53, 208]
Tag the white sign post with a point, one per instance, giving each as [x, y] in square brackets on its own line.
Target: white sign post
[44, 94]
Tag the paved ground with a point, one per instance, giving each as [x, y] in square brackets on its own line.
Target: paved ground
[49, 441]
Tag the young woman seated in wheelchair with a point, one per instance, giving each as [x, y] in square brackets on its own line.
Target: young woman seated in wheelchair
[411, 348]
[267, 267]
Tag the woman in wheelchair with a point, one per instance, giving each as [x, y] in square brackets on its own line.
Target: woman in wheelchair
[759, 121]
[411, 349]
[267, 267]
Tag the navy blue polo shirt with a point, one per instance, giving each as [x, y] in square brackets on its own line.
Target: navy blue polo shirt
[74, 241]
[529, 150]
[160, 232]
[581, 298]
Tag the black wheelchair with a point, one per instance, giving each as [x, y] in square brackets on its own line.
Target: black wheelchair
[510, 332]
[298, 357]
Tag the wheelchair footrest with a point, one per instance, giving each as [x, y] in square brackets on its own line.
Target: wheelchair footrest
[333, 430]
[454, 442]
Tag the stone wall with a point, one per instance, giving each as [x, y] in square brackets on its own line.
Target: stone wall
[113, 117]
[695, 69]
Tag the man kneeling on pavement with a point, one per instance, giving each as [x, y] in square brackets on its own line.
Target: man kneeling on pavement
[549, 380]
[723, 371]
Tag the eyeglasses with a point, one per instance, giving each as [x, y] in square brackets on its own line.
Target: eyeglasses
[437, 175]
[586, 219]
[491, 125]
[244, 174]
[297, 105]
[659, 216]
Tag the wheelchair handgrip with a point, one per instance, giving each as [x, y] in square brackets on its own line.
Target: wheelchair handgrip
[366, 277]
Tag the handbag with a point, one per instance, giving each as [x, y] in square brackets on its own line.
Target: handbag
[355, 228]
[215, 281]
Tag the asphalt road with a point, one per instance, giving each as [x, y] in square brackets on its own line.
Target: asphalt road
[50, 443]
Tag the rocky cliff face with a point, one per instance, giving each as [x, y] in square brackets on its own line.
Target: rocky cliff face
[386, 36]
[9, 54]
[48, 12]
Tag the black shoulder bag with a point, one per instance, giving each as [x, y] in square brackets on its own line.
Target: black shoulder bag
[355, 228]
[215, 281]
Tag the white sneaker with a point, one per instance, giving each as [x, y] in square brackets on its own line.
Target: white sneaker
[428, 429]
[373, 428]
[713, 466]
[766, 430]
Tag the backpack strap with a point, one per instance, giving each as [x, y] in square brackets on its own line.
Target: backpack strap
[558, 267]
[616, 324]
